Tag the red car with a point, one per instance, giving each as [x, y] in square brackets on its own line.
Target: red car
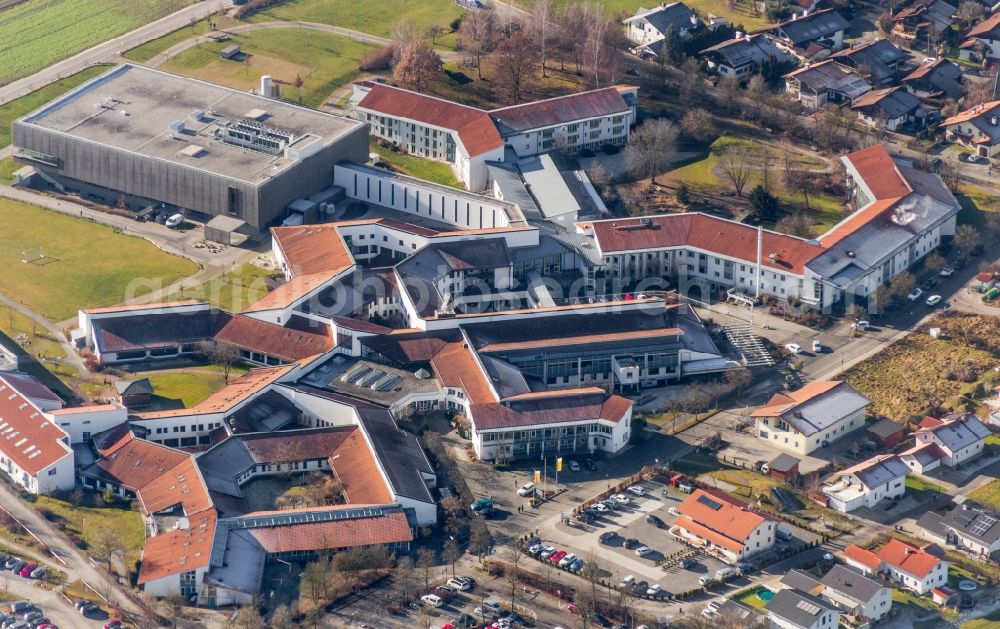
[27, 570]
[557, 556]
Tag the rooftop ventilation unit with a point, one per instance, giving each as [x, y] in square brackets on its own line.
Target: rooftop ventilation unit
[256, 136]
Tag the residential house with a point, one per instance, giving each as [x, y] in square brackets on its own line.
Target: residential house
[860, 597]
[650, 25]
[867, 483]
[917, 568]
[811, 417]
[936, 79]
[890, 109]
[795, 609]
[964, 526]
[826, 82]
[977, 128]
[878, 60]
[950, 442]
[811, 35]
[723, 526]
[982, 41]
[744, 55]
[923, 18]
[464, 137]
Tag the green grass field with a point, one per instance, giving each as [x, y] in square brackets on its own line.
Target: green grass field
[322, 61]
[30, 102]
[232, 291]
[988, 495]
[988, 621]
[376, 18]
[150, 49]
[741, 13]
[184, 389]
[85, 264]
[419, 167]
[7, 169]
[37, 33]
[87, 522]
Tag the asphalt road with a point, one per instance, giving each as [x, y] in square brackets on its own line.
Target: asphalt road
[110, 49]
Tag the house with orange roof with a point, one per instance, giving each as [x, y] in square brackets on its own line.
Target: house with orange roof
[811, 417]
[918, 568]
[723, 526]
[976, 128]
[982, 41]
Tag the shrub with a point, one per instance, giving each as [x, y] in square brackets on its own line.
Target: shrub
[378, 59]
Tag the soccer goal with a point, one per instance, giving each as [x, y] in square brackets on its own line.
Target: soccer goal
[32, 254]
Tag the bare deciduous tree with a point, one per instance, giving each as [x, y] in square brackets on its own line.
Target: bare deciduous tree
[425, 561]
[451, 553]
[417, 66]
[479, 35]
[542, 25]
[797, 224]
[698, 125]
[511, 73]
[651, 148]
[966, 239]
[737, 165]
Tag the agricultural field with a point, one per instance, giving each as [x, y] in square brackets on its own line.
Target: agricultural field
[320, 61]
[18, 107]
[740, 12]
[76, 270]
[920, 374]
[376, 18]
[37, 33]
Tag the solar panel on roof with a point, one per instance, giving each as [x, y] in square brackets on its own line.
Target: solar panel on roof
[982, 524]
[809, 608]
[708, 502]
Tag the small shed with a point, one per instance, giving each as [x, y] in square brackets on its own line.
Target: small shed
[943, 595]
[230, 52]
[784, 468]
[134, 393]
[886, 433]
[226, 230]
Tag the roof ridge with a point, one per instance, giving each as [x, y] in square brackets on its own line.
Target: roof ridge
[548, 100]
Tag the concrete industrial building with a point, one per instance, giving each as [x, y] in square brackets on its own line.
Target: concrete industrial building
[154, 137]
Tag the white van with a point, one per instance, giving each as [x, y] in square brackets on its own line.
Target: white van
[432, 600]
[725, 573]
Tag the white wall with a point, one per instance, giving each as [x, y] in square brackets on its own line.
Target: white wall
[75, 422]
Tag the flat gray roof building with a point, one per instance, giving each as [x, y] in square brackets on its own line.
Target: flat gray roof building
[195, 145]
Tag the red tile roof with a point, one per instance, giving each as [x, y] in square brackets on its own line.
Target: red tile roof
[862, 556]
[299, 338]
[455, 366]
[879, 172]
[705, 232]
[686, 523]
[135, 463]
[982, 109]
[733, 518]
[909, 558]
[473, 126]
[182, 485]
[334, 534]
[180, 550]
[355, 466]
[985, 27]
[27, 437]
[562, 109]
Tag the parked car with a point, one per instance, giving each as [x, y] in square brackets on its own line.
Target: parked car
[933, 300]
[637, 490]
[38, 572]
[17, 566]
[607, 536]
[946, 271]
[11, 562]
[621, 499]
[793, 348]
[574, 466]
[600, 507]
[534, 549]
[27, 570]
[631, 543]
[863, 325]
[817, 347]
[557, 556]
[928, 284]
[706, 580]
[627, 580]
[600, 620]
[655, 521]
[577, 565]
[586, 518]
[432, 600]
[19, 607]
[589, 465]
[548, 552]
[642, 551]
[685, 486]
[726, 573]
[527, 489]
[654, 590]
[566, 560]
[674, 512]
[175, 221]
[687, 563]
[915, 294]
